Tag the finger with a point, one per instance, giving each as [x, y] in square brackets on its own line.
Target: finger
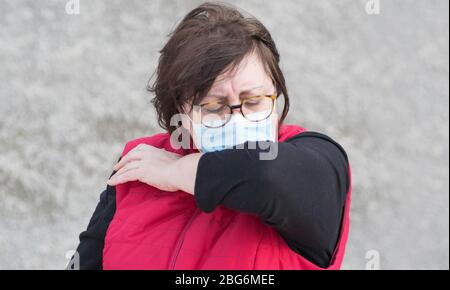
[130, 165]
[142, 147]
[131, 156]
[131, 174]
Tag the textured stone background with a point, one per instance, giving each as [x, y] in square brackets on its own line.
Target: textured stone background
[72, 92]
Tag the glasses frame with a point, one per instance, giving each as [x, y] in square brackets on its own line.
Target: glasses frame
[272, 97]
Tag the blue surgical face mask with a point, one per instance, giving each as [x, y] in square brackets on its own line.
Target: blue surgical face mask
[237, 131]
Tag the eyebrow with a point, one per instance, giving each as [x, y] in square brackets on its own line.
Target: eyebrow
[240, 94]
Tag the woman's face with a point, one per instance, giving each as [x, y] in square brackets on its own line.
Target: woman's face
[249, 79]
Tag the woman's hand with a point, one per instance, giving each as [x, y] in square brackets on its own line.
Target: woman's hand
[147, 164]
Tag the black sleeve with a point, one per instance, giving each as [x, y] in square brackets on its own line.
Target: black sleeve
[301, 193]
[90, 248]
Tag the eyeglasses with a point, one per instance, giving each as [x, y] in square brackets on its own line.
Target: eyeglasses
[255, 109]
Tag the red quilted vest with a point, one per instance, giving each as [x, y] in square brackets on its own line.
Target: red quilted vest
[154, 229]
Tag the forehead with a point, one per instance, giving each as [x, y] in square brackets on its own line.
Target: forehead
[249, 73]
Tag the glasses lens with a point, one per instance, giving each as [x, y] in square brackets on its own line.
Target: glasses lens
[257, 108]
[215, 114]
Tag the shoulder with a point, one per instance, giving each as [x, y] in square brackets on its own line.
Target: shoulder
[159, 140]
[319, 140]
[287, 131]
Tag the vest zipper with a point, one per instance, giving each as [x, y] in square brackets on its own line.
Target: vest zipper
[177, 250]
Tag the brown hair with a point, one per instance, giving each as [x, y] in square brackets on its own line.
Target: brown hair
[212, 38]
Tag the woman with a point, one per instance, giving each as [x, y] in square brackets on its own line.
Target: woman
[246, 191]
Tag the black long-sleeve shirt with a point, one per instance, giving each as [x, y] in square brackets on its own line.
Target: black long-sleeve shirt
[301, 193]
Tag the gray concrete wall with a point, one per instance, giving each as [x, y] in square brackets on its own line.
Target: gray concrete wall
[72, 92]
